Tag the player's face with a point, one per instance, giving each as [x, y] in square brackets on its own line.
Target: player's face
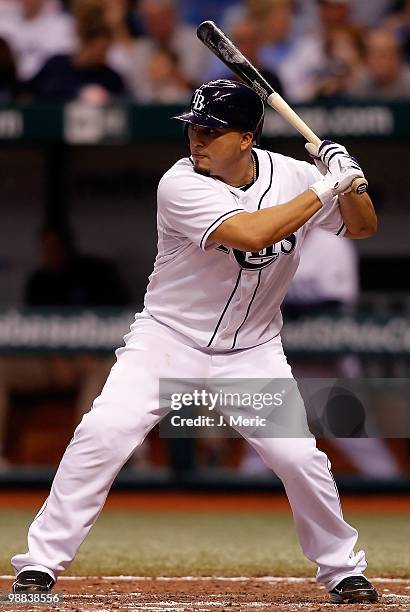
[215, 150]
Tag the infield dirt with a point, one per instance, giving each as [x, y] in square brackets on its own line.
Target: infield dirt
[209, 594]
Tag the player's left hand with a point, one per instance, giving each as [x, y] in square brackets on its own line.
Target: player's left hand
[331, 157]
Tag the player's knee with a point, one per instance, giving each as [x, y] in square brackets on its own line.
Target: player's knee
[114, 435]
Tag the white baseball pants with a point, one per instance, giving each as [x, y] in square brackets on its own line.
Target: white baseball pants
[128, 409]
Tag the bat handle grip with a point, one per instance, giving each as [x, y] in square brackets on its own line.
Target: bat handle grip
[276, 101]
[359, 185]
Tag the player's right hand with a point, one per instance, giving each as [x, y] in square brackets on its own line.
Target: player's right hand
[337, 166]
[337, 182]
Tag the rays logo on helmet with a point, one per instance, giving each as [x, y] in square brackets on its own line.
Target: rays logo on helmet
[198, 101]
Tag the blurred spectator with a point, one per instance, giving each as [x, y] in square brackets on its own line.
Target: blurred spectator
[306, 16]
[388, 76]
[282, 47]
[65, 278]
[334, 13]
[284, 51]
[8, 73]
[255, 9]
[120, 54]
[164, 30]
[69, 278]
[83, 75]
[307, 20]
[271, 23]
[344, 66]
[166, 83]
[298, 35]
[36, 32]
[304, 20]
[399, 24]
[247, 36]
[371, 14]
[309, 55]
[249, 39]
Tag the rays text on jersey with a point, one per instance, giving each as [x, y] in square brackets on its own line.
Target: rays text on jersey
[261, 259]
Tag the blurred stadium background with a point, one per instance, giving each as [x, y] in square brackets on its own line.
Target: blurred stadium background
[87, 88]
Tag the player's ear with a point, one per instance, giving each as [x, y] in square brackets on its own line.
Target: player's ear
[246, 140]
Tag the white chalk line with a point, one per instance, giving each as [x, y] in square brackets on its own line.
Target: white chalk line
[208, 603]
[170, 602]
[288, 579]
[170, 605]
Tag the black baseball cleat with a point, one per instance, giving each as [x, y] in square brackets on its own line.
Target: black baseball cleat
[32, 581]
[354, 589]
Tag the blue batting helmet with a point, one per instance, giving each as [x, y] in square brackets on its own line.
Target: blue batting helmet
[226, 104]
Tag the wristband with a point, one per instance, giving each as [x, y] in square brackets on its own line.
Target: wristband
[323, 192]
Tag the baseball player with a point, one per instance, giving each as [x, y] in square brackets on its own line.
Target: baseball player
[231, 222]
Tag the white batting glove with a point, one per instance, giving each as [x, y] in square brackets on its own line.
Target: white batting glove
[313, 152]
[335, 183]
[338, 167]
[331, 156]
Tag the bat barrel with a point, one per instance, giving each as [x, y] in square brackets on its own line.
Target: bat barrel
[217, 41]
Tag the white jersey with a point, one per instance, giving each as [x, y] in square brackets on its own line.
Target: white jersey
[219, 297]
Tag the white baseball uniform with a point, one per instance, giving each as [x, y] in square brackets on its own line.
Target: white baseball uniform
[210, 312]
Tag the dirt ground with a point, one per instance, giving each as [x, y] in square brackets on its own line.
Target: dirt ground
[207, 594]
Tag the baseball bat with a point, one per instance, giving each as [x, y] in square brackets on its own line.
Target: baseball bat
[217, 41]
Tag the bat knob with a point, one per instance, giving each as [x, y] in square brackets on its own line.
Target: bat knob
[360, 186]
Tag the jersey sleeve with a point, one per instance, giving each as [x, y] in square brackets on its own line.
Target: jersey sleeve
[329, 217]
[194, 206]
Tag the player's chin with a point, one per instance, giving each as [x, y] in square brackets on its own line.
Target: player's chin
[202, 167]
